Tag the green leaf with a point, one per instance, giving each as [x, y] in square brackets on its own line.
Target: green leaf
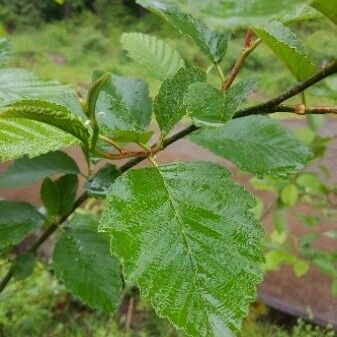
[82, 260]
[212, 107]
[23, 266]
[5, 48]
[300, 267]
[244, 14]
[279, 221]
[18, 84]
[48, 113]
[50, 197]
[256, 144]
[25, 171]
[153, 54]
[289, 195]
[288, 48]
[169, 107]
[98, 185]
[20, 137]
[124, 106]
[186, 234]
[129, 136]
[326, 7]
[212, 44]
[17, 220]
[67, 186]
[311, 183]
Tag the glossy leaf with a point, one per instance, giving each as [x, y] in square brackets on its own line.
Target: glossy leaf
[24, 137]
[17, 84]
[288, 48]
[67, 186]
[17, 220]
[326, 7]
[169, 106]
[124, 108]
[48, 113]
[50, 197]
[25, 171]
[98, 185]
[211, 107]
[82, 260]
[156, 56]
[186, 234]
[256, 144]
[212, 44]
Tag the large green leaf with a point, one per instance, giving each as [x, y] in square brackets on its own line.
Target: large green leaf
[212, 44]
[327, 7]
[25, 171]
[256, 144]
[209, 106]
[169, 107]
[19, 137]
[247, 13]
[153, 54]
[288, 48]
[17, 84]
[185, 233]
[48, 113]
[124, 105]
[17, 220]
[82, 260]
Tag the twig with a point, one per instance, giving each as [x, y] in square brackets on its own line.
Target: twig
[111, 142]
[247, 48]
[301, 109]
[129, 315]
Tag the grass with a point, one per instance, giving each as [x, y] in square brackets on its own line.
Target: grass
[40, 306]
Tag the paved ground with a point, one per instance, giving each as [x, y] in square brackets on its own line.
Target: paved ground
[305, 297]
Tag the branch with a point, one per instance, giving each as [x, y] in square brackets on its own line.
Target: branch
[301, 109]
[268, 106]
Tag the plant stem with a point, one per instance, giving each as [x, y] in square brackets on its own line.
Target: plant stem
[303, 110]
[245, 52]
[221, 74]
[129, 315]
[111, 142]
[270, 106]
[266, 107]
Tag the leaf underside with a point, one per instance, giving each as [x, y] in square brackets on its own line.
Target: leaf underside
[185, 233]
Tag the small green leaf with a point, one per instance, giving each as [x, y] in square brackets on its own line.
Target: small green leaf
[326, 7]
[326, 266]
[129, 136]
[25, 171]
[17, 220]
[98, 185]
[5, 49]
[169, 107]
[82, 260]
[300, 267]
[124, 108]
[153, 54]
[50, 197]
[23, 137]
[309, 220]
[186, 234]
[311, 183]
[289, 195]
[23, 266]
[212, 44]
[67, 186]
[210, 107]
[279, 221]
[288, 48]
[257, 144]
[48, 113]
